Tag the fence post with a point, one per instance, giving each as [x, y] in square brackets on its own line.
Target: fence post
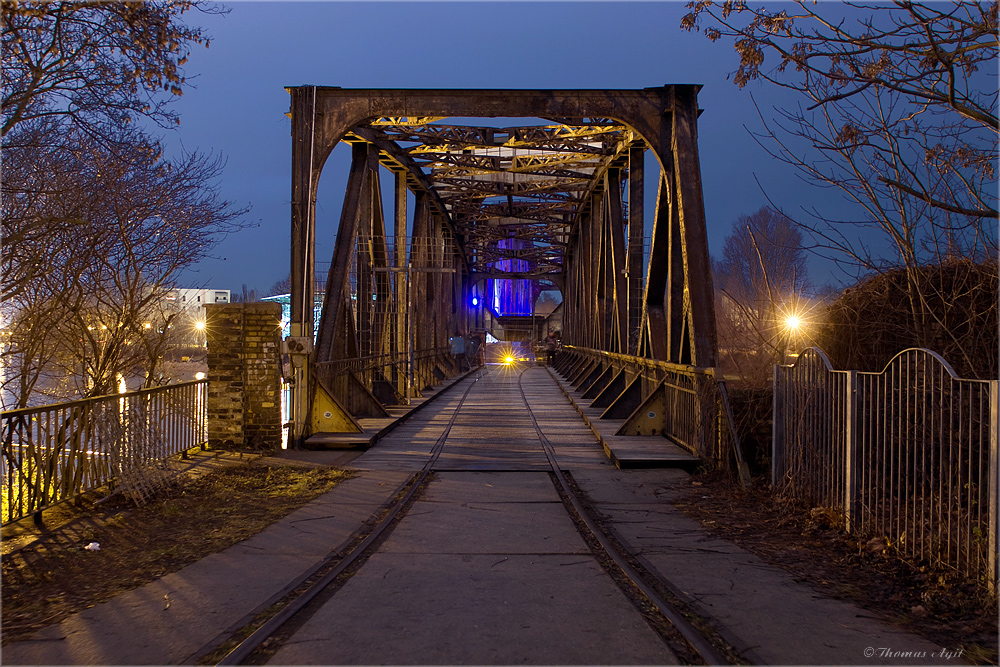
[777, 430]
[850, 449]
[994, 437]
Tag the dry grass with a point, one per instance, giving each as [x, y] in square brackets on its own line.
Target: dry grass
[55, 577]
[933, 602]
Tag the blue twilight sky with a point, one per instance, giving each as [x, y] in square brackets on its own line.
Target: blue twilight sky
[238, 102]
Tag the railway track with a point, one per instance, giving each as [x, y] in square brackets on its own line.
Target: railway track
[262, 637]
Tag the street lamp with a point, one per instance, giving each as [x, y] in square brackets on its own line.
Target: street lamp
[793, 324]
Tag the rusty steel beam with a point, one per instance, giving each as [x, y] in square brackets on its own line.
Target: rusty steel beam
[636, 239]
[691, 208]
[333, 325]
[619, 278]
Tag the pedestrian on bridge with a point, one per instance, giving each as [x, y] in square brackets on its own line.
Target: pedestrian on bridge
[551, 346]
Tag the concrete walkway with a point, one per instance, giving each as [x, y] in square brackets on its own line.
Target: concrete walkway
[485, 570]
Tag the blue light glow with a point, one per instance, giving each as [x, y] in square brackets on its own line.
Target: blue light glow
[511, 296]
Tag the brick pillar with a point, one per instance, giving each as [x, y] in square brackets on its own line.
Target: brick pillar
[244, 400]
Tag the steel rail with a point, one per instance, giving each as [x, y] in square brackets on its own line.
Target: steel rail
[268, 628]
[245, 648]
[672, 614]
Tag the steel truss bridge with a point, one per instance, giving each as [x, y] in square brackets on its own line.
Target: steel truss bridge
[553, 195]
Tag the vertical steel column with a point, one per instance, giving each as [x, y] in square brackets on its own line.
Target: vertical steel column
[691, 207]
[363, 309]
[636, 231]
[677, 296]
[303, 242]
[592, 268]
[619, 271]
[659, 275]
[569, 289]
[400, 279]
[380, 262]
[605, 286]
[419, 280]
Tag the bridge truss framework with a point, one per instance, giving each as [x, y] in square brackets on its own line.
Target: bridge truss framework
[561, 191]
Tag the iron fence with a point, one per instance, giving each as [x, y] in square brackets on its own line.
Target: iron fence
[908, 454]
[54, 453]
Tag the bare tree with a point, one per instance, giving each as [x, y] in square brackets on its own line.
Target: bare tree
[94, 64]
[72, 70]
[96, 222]
[760, 282]
[938, 57]
[246, 295]
[899, 112]
[283, 286]
[128, 226]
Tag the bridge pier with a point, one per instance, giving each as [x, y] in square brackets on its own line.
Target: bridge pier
[244, 373]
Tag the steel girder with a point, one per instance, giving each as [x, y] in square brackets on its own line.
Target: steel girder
[555, 186]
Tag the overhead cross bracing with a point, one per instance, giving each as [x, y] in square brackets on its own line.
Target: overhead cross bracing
[512, 187]
[527, 183]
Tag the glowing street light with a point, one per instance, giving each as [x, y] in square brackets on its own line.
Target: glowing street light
[793, 322]
[199, 325]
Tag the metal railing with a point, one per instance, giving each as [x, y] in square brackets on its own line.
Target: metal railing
[54, 453]
[694, 417]
[392, 369]
[908, 454]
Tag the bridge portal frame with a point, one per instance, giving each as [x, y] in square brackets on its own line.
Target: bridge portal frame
[676, 316]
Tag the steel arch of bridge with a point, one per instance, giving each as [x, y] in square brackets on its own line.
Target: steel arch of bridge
[558, 186]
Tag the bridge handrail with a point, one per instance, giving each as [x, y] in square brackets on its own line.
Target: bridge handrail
[70, 404]
[56, 452]
[672, 367]
[375, 359]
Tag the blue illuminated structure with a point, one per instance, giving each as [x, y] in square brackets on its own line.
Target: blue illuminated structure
[511, 296]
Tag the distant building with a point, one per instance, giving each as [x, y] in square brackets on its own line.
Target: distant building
[187, 298]
[190, 326]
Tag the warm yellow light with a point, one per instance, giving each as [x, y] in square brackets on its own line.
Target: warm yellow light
[199, 376]
[147, 325]
[509, 360]
[792, 322]
[199, 325]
